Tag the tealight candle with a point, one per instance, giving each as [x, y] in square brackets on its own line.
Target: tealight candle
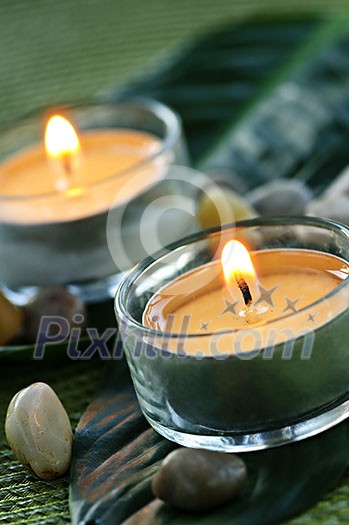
[289, 282]
[241, 351]
[55, 199]
[68, 165]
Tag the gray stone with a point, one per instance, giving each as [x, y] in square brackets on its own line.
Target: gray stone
[281, 197]
[198, 480]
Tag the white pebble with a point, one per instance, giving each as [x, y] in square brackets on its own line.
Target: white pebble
[39, 432]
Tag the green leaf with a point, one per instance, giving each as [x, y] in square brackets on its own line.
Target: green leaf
[116, 454]
[282, 482]
[298, 126]
[211, 82]
[266, 99]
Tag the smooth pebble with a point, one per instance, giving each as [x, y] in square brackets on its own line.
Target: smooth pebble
[280, 198]
[39, 432]
[217, 206]
[53, 301]
[198, 480]
[11, 319]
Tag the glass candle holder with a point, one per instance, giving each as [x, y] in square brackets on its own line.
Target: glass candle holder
[202, 389]
[59, 236]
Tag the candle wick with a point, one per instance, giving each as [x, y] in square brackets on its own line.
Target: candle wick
[67, 164]
[242, 284]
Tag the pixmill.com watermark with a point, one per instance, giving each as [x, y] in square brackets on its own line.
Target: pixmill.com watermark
[109, 344]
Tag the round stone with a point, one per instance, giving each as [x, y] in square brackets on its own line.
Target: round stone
[198, 480]
[53, 302]
[217, 206]
[282, 197]
[11, 318]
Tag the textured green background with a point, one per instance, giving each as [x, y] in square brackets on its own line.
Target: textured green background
[67, 50]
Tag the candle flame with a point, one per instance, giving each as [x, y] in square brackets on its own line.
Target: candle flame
[239, 271]
[61, 139]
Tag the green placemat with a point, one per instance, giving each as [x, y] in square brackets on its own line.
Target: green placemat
[71, 50]
[23, 498]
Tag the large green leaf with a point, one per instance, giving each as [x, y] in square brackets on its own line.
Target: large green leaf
[211, 82]
[282, 482]
[116, 454]
[266, 99]
[299, 128]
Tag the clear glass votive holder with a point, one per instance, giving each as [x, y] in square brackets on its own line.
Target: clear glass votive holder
[63, 237]
[240, 401]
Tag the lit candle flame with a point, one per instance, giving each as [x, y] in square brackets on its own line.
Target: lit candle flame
[62, 146]
[60, 138]
[239, 273]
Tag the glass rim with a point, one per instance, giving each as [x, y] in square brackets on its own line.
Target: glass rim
[167, 115]
[122, 291]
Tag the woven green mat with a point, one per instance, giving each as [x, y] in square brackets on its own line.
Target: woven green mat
[23, 498]
[61, 51]
[70, 49]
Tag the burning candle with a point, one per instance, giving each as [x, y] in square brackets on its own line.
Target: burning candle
[55, 198]
[67, 167]
[257, 308]
[247, 350]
